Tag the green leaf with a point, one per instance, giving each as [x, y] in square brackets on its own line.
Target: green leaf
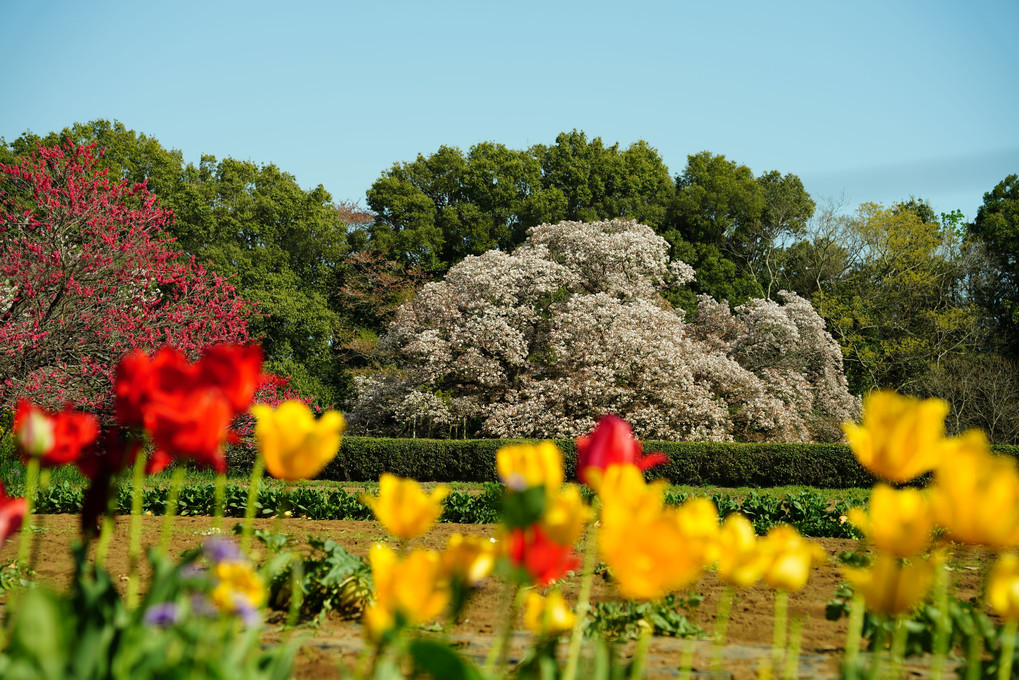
[440, 662]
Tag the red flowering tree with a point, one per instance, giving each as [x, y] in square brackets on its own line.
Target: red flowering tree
[87, 274]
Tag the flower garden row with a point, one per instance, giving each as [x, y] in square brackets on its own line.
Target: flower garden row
[201, 615]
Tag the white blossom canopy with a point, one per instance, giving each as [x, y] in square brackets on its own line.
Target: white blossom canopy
[542, 341]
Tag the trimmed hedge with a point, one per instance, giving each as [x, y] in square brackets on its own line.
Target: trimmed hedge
[826, 466]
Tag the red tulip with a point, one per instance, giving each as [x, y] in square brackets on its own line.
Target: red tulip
[544, 560]
[53, 439]
[236, 370]
[612, 443]
[12, 511]
[193, 426]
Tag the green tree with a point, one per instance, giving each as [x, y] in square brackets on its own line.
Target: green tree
[438, 209]
[898, 309]
[996, 229]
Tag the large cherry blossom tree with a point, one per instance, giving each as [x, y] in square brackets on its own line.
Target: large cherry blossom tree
[542, 341]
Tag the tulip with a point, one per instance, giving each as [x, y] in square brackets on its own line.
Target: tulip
[566, 516]
[12, 512]
[235, 370]
[412, 590]
[897, 522]
[976, 494]
[293, 444]
[790, 558]
[547, 616]
[525, 466]
[543, 560]
[611, 443]
[900, 437]
[652, 550]
[404, 508]
[1003, 587]
[239, 589]
[193, 426]
[54, 439]
[469, 558]
[741, 562]
[888, 587]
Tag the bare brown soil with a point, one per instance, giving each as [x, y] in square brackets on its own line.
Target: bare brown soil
[336, 643]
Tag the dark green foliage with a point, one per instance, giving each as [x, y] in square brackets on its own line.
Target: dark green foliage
[621, 619]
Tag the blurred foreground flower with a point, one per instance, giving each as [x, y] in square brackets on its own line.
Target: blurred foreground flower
[741, 562]
[650, 549]
[566, 515]
[293, 444]
[790, 558]
[975, 496]
[611, 443]
[404, 508]
[525, 466]
[12, 512]
[408, 591]
[896, 522]
[1003, 587]
[547, 615]
[544, 560]
[888, 587]
[469, 558]
[239, 590]
[900, 437]
[53, 439]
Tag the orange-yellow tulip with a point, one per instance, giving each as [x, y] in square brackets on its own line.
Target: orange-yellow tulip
[900, 437]
[470, 558]
[790, 558]
[293, 444]
[897, 522]
[741, 562]
[566, 515]
[890, 588]
[975, 496]
[413, 589]
[523, 466]
[547, 615]
[403, 507]
[1003, 587]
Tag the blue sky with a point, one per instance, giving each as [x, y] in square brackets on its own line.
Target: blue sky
[874, 100]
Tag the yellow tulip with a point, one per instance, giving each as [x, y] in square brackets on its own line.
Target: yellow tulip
[403, 507]
[790, 558]
[547, 615]
[897, 523]
[566, 516]
[1003, 587]
[470, 558]
[238, 586]
[650, 549]
[413, 589]
[741, 562]
[888, 587]
[900, 437]
[293, 444]
[524, 466]
[975, 496]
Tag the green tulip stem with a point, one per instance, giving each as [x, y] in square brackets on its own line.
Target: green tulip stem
[44, 479]
[583, 599]
[854, 636]
[105, 536]
[722, 613]
[249, 510]
[31, 481]
[166, 535]
[134, 549]
[877, 656]
[640, 653]
[898, 650]
[1007, 649]
[220, 502]
[943, 631]
[975, 653]
[792, 659]
[685, 659]
[781, 623]
[498, 654]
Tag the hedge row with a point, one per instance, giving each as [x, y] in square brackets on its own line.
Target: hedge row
[826, 466]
